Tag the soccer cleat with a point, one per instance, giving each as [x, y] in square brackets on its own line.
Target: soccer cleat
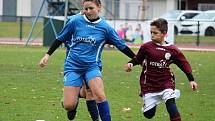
[62, 99]
[71, 114]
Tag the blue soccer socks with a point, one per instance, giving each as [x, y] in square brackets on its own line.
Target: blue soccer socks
[104, 111]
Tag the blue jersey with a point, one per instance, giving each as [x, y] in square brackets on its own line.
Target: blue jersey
[87, 42]
[68, 42]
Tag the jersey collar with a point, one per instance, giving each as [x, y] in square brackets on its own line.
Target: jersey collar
[90, 21]
[167, 44]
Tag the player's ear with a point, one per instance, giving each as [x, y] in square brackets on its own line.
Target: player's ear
[164, 32]
[100, 8]
[82, 12]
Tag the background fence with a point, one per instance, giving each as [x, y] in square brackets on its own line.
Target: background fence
[20, 28]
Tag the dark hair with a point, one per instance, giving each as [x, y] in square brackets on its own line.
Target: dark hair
[98, 2]
[161, 24]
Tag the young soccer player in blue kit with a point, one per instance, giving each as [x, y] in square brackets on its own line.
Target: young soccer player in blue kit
[87, 34]
[85, 92]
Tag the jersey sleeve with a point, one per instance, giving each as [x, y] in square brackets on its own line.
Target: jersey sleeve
[180, 60]
[114, 39]
[141, 55]
[67, 31]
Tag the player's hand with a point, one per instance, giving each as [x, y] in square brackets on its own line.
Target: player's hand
[44, 60]
[193, 85]
[128, 67]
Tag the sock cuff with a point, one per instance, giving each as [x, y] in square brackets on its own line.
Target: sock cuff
[177, 117]
[90, 101]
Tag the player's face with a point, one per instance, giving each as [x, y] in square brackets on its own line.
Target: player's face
[91, 10]
[156, 35]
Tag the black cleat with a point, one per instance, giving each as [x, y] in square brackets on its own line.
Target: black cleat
[71, 114]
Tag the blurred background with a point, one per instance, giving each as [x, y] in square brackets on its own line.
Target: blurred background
[37, 22]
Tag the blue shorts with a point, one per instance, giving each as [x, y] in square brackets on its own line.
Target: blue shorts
[73, 78]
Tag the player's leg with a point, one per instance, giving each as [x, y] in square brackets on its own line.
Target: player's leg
[91, 104]
[149, 109]
[172, 110]
[93, 79]
[83, 91]
[151, 100]
[71, 100]
[169, 96]
[150, 113]
[96, 85]
[72, 86]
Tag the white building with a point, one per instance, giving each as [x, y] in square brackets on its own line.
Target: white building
[154, 8]
[21, 7]
[1, 7]
[118, 9]
[139, 9]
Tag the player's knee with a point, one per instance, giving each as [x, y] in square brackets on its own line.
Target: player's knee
[150, 113]
[99, 97]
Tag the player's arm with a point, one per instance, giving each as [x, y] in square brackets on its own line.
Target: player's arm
[127, 51]
[138, 59]
[184, 65]
[64, 35]
[53, 47]
[193, 84]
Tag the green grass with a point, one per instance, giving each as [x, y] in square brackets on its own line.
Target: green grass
[182, 39]
[29, 94]
[12, 29]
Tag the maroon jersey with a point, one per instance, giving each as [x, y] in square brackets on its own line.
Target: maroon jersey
[156, 75]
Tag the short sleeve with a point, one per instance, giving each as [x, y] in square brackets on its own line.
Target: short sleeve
[67, 31]
[114, 39]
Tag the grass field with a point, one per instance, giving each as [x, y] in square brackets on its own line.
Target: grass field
[29, 94]
[12, 29]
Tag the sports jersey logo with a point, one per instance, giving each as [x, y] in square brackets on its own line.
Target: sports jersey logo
[161, 64]
[91, 26]
[158, 48]
[167, 56]
[90, 40]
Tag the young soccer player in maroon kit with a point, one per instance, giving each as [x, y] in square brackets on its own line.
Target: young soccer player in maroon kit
[156, 80]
